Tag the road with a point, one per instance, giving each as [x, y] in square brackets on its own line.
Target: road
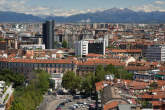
[53, 104]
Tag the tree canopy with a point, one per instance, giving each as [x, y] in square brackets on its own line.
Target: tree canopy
[86, 83]
[10, 77]
[71, 81]
[29, 97]
[64, 44]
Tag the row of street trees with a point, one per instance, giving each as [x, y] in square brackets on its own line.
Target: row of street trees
[30, 96]
[10, 77]
[86, 83]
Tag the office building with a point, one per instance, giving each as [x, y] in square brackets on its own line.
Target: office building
[84, 47]
[48, 34]
[155, 53]
[81, 48]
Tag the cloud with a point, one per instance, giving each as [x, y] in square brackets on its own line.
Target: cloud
[21, 6]
[159, 2]
[155, 6]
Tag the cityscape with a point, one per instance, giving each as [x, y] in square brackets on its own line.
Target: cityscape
[98, 55]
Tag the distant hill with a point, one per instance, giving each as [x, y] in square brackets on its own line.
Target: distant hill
[113, 15]
[18, 17]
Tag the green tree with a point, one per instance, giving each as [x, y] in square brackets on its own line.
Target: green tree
[68, 80]
[29, 97]
[43, 80]
[77, 83]
[88, 83]
[1, 39]
[64, 44]
[153, 85]
[100, 73]
[110, 69]
[119, 72]
[9, 76]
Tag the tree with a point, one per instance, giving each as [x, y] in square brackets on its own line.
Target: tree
[1, 39]
[110, 69]
[100, 73]
[42, 80]
[88, 83]
[9, 76]
[64, 44]
[153, 85]
[29, 97]
[119, 72]
[68, 80]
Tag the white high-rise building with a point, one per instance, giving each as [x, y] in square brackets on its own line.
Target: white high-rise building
[81, 48]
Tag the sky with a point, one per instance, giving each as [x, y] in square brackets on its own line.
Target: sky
[71, 7]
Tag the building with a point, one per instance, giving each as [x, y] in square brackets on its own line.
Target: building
[81, 48]
[57, 78]
[26, 66]
[48, 34]
[97, 47]
[155, 53]
[33, 47]
[6, 95]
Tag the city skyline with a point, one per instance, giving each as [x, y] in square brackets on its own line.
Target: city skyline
[71, 7]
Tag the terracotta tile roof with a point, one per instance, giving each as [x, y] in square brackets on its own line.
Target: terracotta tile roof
[60, 61]
[138, 85]
[156, 103]
[111, 105]
[12, 55]
[94, 55]
[160, 82]
[96, 61]
[100, 85]
[127, 51]
[147, 96]
[137, 68]
[162, 68]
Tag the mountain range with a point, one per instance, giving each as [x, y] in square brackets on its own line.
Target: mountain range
[113, 15]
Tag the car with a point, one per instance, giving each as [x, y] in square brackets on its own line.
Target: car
[77, 97]
[78, 102]
[85, 103]
[68, 100]
[58, 108]
[71, 108]
[76, 106]
[62, 104]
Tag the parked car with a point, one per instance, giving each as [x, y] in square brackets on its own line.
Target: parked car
[58, 108]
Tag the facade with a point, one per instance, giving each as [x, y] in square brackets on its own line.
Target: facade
[81, 48]
[97, 47]
[26, 66]
[33, 47]
[48, 34]
[84, 47]
[155, 53]
[57, 78]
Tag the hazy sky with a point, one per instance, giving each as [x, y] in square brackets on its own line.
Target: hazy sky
[70, 7]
